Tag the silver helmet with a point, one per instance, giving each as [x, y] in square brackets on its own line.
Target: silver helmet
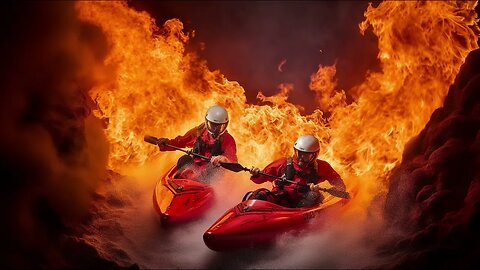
[306, 149]
[216, 120]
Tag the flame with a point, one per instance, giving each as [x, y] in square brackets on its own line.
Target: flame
[280, 66]
[161, 88]
[323, 83]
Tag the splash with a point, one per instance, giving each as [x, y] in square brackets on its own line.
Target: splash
[163, 89]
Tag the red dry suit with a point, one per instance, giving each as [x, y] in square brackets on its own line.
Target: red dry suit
[201, 142]
[288, 194]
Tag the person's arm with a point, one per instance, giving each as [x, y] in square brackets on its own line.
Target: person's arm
[186, 140]
[275, 168]
[326, 172]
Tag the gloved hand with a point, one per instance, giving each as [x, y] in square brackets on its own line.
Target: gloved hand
[162, 142]
[314, 187]
[254, 171]
[280, 183]
[216, 160]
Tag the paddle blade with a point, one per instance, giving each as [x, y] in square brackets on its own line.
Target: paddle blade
[234, 167]
[150, 139]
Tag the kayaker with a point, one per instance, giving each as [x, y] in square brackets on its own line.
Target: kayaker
[303, 168]
[210, 139]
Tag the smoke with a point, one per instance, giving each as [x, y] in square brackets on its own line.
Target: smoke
[126, 223]
[433, 200]
[126, 229]
[52, 150]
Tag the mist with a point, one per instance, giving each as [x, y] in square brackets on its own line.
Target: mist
[133, 230]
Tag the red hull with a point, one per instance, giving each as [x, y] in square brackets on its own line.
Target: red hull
[255, 223]
[181, 200]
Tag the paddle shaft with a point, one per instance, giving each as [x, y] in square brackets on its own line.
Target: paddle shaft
[189, 152]
[154, 140]
[276, 177]
[273, 176]
[342, 194]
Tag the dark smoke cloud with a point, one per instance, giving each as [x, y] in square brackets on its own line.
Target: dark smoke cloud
[434, 196]
[52, 150]
[247, 41]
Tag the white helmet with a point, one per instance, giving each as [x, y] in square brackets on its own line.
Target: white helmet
[306, 149]
[216, 120]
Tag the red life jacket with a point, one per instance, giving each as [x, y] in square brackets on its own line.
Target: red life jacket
[200, 144]
[290, 172]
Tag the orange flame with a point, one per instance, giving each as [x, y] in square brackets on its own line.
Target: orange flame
[323, 83]
[160, 88]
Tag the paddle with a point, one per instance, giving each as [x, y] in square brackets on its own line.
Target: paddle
[236, 167]
[154, 140]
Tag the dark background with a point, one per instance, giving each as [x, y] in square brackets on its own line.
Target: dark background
[247, 41]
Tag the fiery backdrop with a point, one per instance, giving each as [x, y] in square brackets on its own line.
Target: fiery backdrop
[390, 89]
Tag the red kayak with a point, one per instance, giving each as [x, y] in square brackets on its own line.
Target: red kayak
[181, 200]
[255, 222]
